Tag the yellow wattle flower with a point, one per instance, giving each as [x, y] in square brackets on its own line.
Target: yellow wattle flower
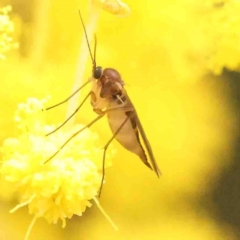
[6, 28]
[64, 185]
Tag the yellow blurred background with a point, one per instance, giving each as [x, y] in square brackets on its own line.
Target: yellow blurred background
[171, 57]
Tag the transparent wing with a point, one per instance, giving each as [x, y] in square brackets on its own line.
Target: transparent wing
[145, 140]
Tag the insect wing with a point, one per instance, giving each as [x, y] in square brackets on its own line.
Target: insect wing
[145, 140]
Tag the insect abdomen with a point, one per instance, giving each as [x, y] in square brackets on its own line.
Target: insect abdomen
[128, 136]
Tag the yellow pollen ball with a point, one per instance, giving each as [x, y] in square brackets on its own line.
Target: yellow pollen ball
[64, 185]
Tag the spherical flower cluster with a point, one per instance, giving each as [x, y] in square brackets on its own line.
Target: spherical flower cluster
[6, 27]
[63, 186]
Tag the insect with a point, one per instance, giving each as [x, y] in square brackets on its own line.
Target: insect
[109, 97]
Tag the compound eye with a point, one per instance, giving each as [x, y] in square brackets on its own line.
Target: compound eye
[97, 72]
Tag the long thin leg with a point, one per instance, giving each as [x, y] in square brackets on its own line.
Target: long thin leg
[75, 134]
[76, 110]
[106, 147]
[90, 124]
[69, 96]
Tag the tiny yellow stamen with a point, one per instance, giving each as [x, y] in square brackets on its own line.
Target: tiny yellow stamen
[22, 204]
[30, 228]
[105, 214]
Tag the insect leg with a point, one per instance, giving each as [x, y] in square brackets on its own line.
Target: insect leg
[74, 93]
[106, 147]
[74, 135]
[76, 110]
[101, 114]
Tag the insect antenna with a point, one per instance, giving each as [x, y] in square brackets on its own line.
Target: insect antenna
[93, 63]
[93, 57]
[88, 44]
[95, 48]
